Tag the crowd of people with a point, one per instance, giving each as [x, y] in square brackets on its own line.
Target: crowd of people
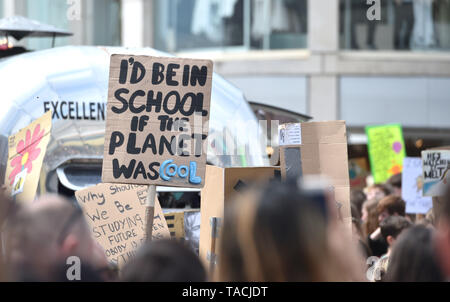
[276, 232]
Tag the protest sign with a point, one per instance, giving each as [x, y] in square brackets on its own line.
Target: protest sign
[116, 215]
[412, 183]
[290, 134]
[221, 184]
[436, 171]
[322, 151]
[386, 150]
[26, 153]
[157, 121]
[175, 223]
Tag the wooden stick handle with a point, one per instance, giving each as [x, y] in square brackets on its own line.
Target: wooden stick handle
[150, 211]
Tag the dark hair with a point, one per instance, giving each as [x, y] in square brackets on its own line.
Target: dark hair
[395, 181]
[392, 204]
[413, 258]
[393, 226]
[362, 242]
[357, 198]
[164, 261]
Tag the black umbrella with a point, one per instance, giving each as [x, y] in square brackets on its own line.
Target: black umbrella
[20, 27]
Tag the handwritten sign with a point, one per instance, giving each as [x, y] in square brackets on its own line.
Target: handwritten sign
[436, 172]
[412, 184]
[386, 150]
[157, 121]
[116, 214]
[290, 134]
[26, 153]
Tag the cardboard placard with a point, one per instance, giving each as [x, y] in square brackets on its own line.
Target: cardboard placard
[323, 150]
[386, 149]
[157, 121]
[291, 162]
[116, 214]
[438, 207]
[436, 171]
[26, 153]
[412, 184]
[358, 171]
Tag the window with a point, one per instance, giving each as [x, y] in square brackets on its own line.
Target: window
[404, 25]
[182, 25]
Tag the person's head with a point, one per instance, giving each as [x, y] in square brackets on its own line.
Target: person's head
[356, 221]
[370, 216]
[44, 233]
[377, 191]
[443, 233]
[164, 261]
[357, 198]
[395, 183]
[392, 226]
[273, 234]
[413, 257]
[389, 206]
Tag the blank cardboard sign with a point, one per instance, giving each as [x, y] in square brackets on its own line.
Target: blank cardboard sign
[157, 121]
[116, 215]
